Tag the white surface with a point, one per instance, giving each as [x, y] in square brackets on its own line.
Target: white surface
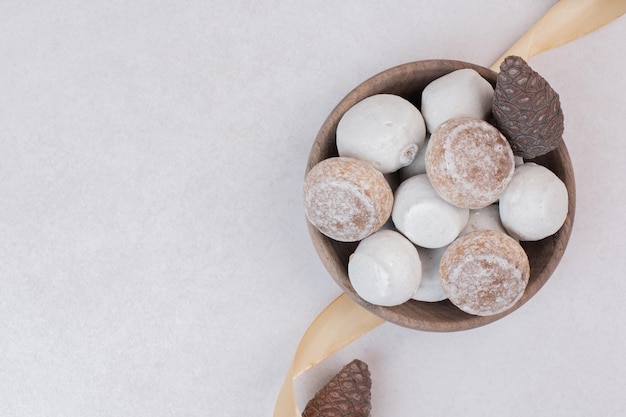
[154, 259]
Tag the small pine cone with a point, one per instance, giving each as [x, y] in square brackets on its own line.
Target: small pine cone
[347, 394]
[526, 109]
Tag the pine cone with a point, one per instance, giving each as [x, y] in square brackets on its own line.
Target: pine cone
[347, 394]
[526, 109]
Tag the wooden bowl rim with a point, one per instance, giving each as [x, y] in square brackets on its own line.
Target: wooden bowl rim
[441, 316]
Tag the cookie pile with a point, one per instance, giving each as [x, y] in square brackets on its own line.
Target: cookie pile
[468, 189]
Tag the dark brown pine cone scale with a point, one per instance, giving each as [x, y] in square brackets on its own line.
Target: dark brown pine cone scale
[347, 394]
[526, 109]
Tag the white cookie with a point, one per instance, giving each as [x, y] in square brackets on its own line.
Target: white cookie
[535, 204]
[460, 93]
[424, 217]
[486, 218]
[385, 269]
[384, 129]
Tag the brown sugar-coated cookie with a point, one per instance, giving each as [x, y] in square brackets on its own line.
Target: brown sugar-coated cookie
[346, 199]
[469, 162]
[484, 272]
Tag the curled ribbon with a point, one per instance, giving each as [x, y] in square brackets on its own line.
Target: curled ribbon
[338, 325]
[564, 22]
[344, 321]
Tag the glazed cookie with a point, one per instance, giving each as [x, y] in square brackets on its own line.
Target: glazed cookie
[469, 162]
[485, 272]
[385, 269]
[535, 204]
[486, 218]
[460, 93]
[346, 199]
[423, 216]
[384, 129]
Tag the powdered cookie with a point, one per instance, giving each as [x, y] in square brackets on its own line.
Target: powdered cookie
[460, 93]
[346, 199]
[469, 162]
[484, 272]
[486, 218]
[423, 216]
[385, 269]
[384, 129]
[535, 204]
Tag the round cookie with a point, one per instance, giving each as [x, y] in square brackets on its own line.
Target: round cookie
[484, 272]
[346, 199]
[535, 204]
[385, 269]
[469, 162]
[460, 93]
[424, 217]
[385, 130]
[486, 218]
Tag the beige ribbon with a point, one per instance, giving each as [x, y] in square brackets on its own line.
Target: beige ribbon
[564, 22]
[344, 321]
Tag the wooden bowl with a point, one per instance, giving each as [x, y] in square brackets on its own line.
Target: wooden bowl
[408, 80]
